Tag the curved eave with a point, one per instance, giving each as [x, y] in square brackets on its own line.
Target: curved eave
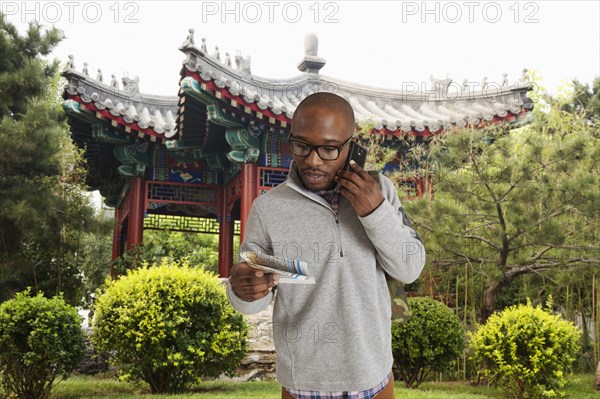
[212, 69]
[511, 119]
[105, 116]
[260, 111]
[147, 114]
[408, 121]
[117, 94]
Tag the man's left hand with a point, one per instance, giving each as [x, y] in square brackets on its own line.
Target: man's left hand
[360, 189]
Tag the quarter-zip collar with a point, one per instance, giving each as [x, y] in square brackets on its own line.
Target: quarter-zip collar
[295, 183]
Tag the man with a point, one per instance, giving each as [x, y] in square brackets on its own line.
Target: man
[332, 338]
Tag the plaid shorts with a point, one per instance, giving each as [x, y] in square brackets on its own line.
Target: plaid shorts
[366, 394]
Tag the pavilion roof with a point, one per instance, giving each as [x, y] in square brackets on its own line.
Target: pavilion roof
[120, 105]
[415, 110]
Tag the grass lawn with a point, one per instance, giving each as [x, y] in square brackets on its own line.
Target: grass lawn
[83, 387]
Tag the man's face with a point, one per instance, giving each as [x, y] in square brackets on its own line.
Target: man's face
[320, 126]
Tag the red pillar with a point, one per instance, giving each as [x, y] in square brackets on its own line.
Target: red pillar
[116, 242]
[225, 234]
[116, 251]
[137, 203]
[249, 193]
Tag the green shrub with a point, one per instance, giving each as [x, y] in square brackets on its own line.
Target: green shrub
[429, 341]
[526, 351]
[169, 325]
[40, 340]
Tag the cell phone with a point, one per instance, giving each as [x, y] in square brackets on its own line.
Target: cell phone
[357, 154]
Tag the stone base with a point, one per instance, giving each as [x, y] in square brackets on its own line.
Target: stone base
[259, 362]
[92, 363]
[256, 365]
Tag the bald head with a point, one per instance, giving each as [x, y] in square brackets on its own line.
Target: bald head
[322, 120]
[329, 103]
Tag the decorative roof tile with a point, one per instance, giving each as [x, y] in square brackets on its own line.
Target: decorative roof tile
[394, 110]
[150, 113]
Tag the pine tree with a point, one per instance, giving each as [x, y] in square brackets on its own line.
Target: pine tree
[23, 73]
[515, 202]
[42, 209]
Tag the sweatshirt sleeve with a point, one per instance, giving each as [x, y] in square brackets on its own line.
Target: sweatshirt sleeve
[255, 239]
[400, 251]
[246, 307]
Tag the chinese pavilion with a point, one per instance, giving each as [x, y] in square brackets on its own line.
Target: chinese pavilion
[196, 161]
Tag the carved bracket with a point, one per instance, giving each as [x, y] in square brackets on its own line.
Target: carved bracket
[101, 133]
[245, 146]
[134, 157]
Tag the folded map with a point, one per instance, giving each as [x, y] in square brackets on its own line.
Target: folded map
[291, 271]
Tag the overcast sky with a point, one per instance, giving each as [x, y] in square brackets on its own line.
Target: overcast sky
[377, 43]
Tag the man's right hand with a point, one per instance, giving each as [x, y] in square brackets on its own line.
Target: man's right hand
[251, 284]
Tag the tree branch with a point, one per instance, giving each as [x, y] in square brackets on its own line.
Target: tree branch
[484, 240]
[575, 247]
[553, 213]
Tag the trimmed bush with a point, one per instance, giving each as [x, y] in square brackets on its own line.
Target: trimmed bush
[169, 325]
[40, 340]
[526, 351]
[429, 341]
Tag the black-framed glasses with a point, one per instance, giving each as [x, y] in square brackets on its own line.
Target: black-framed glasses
[325, 152]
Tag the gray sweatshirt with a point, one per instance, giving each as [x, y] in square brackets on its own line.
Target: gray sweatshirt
[336, 334]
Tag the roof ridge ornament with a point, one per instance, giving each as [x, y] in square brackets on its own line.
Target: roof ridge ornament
[189, 40]
[440, 87]
[131, 87]
[484, 83]
[70, 63]
[311, 63]
[113, 81]
[243, 64]
[525, 77]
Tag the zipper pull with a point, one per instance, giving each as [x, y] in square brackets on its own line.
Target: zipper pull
[337, 221]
